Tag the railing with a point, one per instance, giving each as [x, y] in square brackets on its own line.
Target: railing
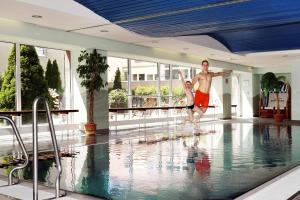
[17, 134]
[35, 148]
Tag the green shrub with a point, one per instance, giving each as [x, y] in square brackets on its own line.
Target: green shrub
[144, 90]
[117, 98]
[178, 93]
[164, 90]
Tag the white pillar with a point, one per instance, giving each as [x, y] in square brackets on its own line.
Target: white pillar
[226, 85]
[129, 93]
[18, 99]
[295, 87]
[158, 85]
[101, 103]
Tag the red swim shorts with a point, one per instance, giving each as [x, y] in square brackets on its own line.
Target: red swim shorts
[201, 99]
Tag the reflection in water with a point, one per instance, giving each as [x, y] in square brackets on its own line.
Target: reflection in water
[225, 164]
[43, 170]
[197, 158]
[273, 144]
[93, 180]
[279, 134]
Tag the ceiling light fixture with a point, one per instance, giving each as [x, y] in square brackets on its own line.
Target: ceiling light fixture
[36, 16]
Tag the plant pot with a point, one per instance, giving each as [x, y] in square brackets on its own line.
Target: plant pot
[90, 128]
[90, 139]
[278, 117]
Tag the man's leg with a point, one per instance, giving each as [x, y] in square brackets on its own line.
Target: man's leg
[190, 115]
[200, 111]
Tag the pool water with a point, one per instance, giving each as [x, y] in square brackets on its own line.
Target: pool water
[223, 162]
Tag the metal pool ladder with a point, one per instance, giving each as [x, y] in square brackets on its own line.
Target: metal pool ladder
[17, 134]
[35, 147]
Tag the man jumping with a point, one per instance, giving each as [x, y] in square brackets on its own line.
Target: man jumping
[204, 79]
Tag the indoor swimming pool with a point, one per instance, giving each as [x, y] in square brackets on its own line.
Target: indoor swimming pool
[219, 162]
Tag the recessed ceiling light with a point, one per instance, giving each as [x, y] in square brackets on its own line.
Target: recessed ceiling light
[103, 31]
[37, 16]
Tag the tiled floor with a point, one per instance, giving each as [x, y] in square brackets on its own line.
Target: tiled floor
[24, 191]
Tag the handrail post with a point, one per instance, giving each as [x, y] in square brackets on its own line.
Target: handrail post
[17, 134]
[35, 148]
[56, 151]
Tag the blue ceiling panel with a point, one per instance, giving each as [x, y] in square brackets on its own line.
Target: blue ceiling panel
[277, 38]
[118, 10]
[241, 25]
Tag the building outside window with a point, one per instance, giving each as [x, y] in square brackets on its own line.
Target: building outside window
[141, 77]
[134, 77]
[149, 77]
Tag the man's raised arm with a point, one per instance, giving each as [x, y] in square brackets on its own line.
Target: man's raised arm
[225, 73]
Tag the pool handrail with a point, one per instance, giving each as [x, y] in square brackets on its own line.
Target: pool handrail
[35, 147]
[23, 148]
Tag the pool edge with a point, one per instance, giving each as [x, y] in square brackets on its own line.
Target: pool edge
[282, 187]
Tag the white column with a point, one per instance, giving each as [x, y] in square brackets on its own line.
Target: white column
[246, 95]
[295, 87]
[170, 86]
[18, 84]
[158, 85]
[129, 103]
[226, 85]
[101, 103]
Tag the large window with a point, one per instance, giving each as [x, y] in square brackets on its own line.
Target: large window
[51, 69]
[115, 65]
[118, 82]
[144, 89]
[151, 84]
[42, 72]
[7, 80]
[165, 92]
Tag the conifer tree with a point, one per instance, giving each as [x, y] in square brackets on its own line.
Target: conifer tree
[117, 82]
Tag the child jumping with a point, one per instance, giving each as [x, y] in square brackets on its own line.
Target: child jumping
[190, 106]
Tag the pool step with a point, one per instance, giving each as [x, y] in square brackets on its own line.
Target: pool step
[24, 192]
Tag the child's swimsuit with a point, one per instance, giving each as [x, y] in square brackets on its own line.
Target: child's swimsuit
[191, 107]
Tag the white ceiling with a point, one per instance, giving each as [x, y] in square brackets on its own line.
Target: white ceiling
[68, 15]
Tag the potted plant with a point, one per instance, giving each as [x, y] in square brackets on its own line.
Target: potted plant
[90, 68]
[270, 82]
